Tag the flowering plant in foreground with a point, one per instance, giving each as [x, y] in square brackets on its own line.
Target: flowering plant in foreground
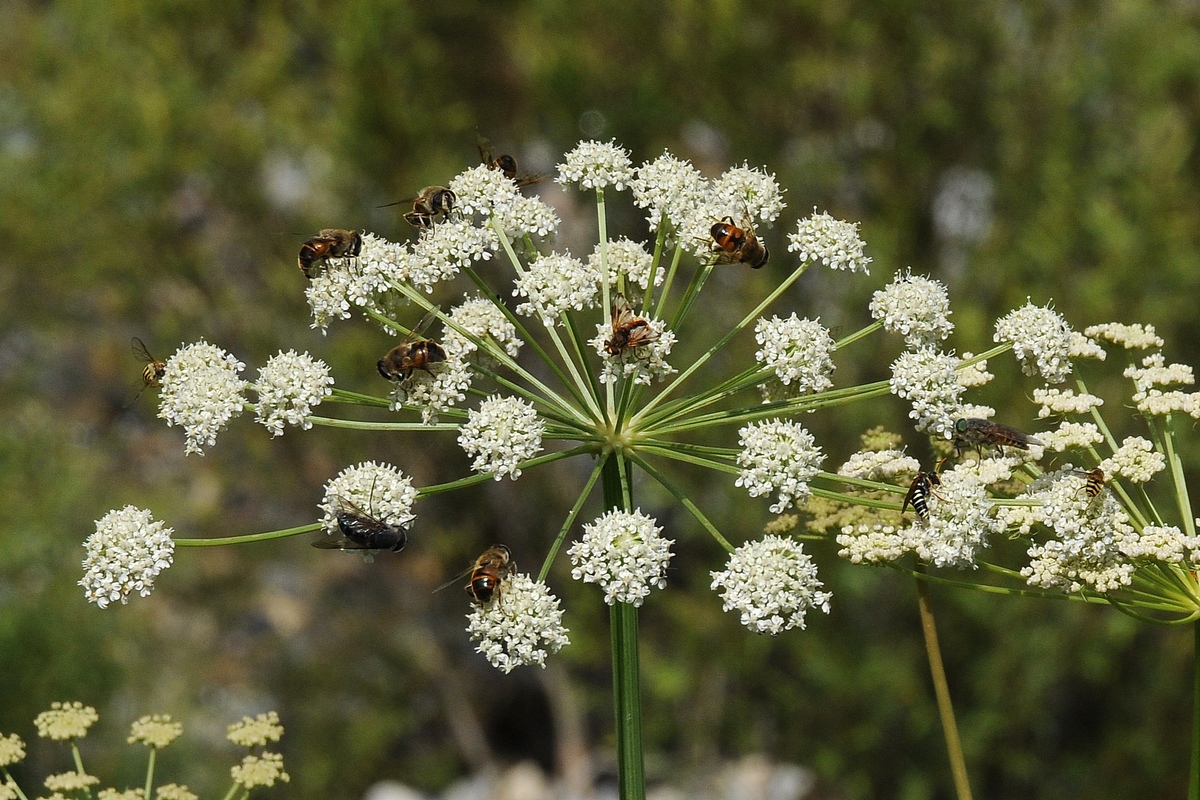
[70, 722]
[610, 388]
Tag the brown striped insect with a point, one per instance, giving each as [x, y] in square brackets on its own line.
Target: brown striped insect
[154, 369]
[504, 163]
[981, 433]
[329, 243]
[735, 244]
[413, 353]
[629, 331]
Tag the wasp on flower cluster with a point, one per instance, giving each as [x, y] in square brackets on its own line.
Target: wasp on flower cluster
[629, 331]
[154, 370]
[734, 244]
[362, 530]
[329, 243]
[504, 163]
[413, 353]
[1095, 483]
[920, 490]
[981, 433]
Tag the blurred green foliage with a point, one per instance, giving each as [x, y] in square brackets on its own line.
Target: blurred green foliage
[159, 164]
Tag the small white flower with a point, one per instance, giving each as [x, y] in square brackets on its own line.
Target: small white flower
[256, 731]
[834, 243]
[671, 189]
[915, 306]
[1072, 434]
[1155, 372]
[288, 387]
[484, 320]
[125, 554]
[70, 781]
[625, 554]
[521, 627]
[347, 282]
[155, 730]
[930, 380]
[500, 434]
[555, 283]
[742, 191]
[483, 190]
[1064, 401]
[1165, 543]
[1041, 341]
[595, 165]
[873, 544]
[974, 375]
[1135, 460]
[1131, 337]
[800, 351]
[65, 721]
[201, 391]
[434, 392]
[12, 750]
[1083, 346]
[773, 582]
[527, 216]
[778, 456]
[379, 490]
[879, 465]
[264, 769]
[960, 524]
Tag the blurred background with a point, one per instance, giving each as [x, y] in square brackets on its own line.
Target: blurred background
[159, 166]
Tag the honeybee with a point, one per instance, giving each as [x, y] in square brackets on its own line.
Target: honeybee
[1095, 483]
[362, 530]
[329, 243]
[980, 433]
[737, 245]
[488, 572]
[628, 331]
[919, 491]
[411, 354]
[505, 163]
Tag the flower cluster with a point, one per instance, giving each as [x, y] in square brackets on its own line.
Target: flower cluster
[914, 306]
[595, 165]
[65, 721]
[155, 730]
[773, 583]
[1041, 339]
[778, 457]
[125, 554]
[201, 391]
[830, 241]
[521, 628]
[625, 554]
[288, 387]
[500, 434]
[798, 351]
[378, 491]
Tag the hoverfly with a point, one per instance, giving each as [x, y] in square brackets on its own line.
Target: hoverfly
[329, 243]
[734, 244]
[412, 353]
[504, 163]
[1095, 483]
[487, 574]
[362, 530]
[154, 370]
[980, 433]
[432, 204]
[629, 331]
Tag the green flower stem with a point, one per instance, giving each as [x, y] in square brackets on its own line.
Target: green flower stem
[863, 483]
[525, 335]
[1194, 776]
[483, 477]
[684, 499]
[311, 527]
[691, 293]
[1181, 492]
[987, 588]
[694, 402]
[579, 343]
[857, 335]
[10, 782]
[668, 450]
[79, 763]
[150, 774]
[602, 233]
[365, 425]
[570, 521]
[702, 360]
[853, 499]
[232, 789]
[627, 699]
[356, 398]
[666, 290]
[660, 241]
[767, 410]
[941, 688]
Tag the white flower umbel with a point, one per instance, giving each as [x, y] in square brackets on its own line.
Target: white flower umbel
[1041, 340]
[500, 434]
[879, 465]
[596, 165]
[379, 490]
[484, 320]
[1131, 337]
[527, 216]
[521, 628]
[348, 282]
[873, 544]
[830, 241]
[773, 583]
[201, 391]
[265, 769]
[1064, 401]
[625, 554]
[929, 379]
[446, 248]
[555, 283]
[673, 190]
[914, 306]
[436, 391]
[125, 554]
[484, 191]
[799, 351]
[1070, 435]
[65, 721]
[960, 523]
[627, 258]
[1083, 346]
[973, 375]
[288, 387]
[742, 191]
[778, 457]
[1135, 460]
[1165, 543]
[639, 364]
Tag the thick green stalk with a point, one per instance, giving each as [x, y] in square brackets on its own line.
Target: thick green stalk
[627, 698]
[150, 773]
[941, 688]
[1194, 778]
